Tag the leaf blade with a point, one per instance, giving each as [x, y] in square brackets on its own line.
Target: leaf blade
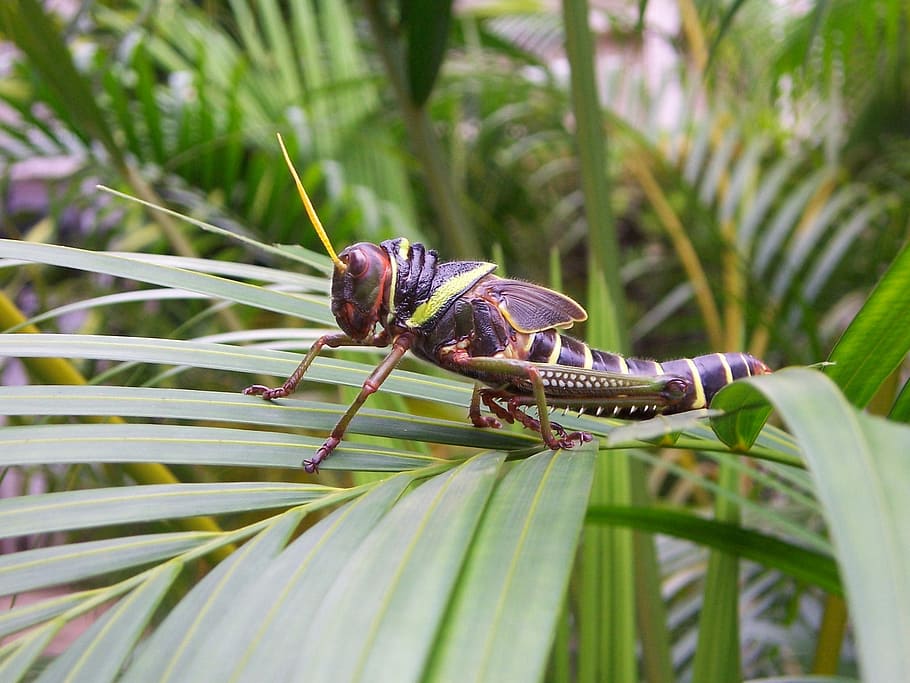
[99, 652]
[510, 594]
[83, 509]
[868, 522]
[878, 338]
[30, 570]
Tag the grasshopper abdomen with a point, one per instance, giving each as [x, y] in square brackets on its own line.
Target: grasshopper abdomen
[704, 375]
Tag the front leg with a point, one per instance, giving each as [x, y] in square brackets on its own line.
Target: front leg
[332, 341]
[372, 383]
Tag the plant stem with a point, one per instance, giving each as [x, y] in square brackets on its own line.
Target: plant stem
[457, 231]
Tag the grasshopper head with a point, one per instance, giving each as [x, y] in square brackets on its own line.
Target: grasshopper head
[360, 288]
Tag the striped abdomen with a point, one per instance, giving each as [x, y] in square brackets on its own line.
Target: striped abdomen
[704, 375]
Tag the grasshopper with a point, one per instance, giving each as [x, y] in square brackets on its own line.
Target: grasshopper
[505, 334]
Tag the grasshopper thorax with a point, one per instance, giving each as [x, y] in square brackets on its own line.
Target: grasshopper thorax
[360, 289]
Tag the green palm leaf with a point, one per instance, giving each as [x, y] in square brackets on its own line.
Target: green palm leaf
[860, 491]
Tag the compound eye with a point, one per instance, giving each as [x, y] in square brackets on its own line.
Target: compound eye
[357, 263]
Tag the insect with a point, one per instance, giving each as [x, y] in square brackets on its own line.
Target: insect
[505, 334]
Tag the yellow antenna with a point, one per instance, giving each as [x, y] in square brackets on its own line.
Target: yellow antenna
[311, 212]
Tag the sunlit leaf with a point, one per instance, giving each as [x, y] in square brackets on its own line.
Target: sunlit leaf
[878, 338]
[100, 650]
[500, 625]
[124, 504]
[860, 468]
[33, 569]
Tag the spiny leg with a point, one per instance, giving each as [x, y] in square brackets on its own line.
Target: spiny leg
[546, 427]
[477, 419]
[511, 414]
[515, 404]
[490, 398]
[511, 368]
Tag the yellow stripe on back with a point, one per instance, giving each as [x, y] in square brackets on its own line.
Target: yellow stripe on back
[553, 358]
[623, 366]
[699, 400]
[728, 372]
[746, 364]
[444, 293]
[589, 358]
